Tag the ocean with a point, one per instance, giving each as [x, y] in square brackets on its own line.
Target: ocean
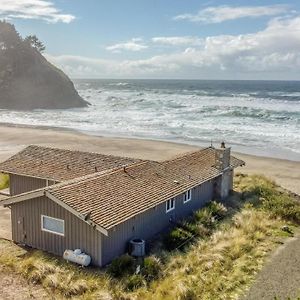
[255, 117]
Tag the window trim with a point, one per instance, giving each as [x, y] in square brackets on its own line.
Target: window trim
[187, 199]
[172, 200]
[50, 231]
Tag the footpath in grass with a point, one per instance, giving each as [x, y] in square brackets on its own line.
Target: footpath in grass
[215, 254]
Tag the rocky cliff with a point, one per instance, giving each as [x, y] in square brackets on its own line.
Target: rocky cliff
[27, 80]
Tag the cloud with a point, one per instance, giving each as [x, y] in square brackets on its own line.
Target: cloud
[83, 67]
[178, 40]
[33, 9]
[272, 53]
[134, 44]
[219, 14]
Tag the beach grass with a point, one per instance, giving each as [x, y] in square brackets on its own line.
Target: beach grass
[220, 264]
[4, 181]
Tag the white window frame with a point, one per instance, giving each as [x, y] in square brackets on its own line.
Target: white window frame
[187, 196]
[47, 230]
[168, 204]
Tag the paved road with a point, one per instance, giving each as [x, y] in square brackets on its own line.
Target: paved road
[280, 277]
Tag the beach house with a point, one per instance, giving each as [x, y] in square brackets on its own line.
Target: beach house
[63, 199]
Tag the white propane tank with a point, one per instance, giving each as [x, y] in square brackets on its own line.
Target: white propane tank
[77, 257]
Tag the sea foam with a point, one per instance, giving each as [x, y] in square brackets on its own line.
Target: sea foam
[260, 117]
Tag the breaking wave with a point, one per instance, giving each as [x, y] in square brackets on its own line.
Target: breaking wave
[256, 115]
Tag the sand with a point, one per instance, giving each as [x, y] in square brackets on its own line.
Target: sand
[15, 138]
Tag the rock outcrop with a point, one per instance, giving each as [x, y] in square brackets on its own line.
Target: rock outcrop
[27, 80]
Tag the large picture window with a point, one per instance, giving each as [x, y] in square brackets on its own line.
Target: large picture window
[170, 205]
[53, 225]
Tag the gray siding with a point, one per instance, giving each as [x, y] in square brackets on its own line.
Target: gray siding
[26, 225]
[26, 228]
[21, 184]
[152, 222]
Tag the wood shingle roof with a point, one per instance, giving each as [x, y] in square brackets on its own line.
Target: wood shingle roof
[60, 164]
[114, 197]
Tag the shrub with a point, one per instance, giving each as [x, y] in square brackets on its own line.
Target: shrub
[195, 228]
[152, 268]
[201, 224]
[121, 265]
[176, 237]
[205, 217]
[217, 209]
[134, 281]
[190, 226]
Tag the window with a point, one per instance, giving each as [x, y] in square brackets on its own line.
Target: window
[49, 182]
[53, 225]
[170, 205]
[187, 196]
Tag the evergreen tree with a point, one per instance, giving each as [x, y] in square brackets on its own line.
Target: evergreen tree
[34, 42]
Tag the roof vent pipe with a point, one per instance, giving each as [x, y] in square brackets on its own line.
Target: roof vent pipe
[87, 216]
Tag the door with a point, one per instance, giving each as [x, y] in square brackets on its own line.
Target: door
[21, 236]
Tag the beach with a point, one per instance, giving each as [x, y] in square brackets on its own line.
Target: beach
[14, 138]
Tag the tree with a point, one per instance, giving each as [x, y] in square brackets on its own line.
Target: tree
[9, 37]
[34, 42]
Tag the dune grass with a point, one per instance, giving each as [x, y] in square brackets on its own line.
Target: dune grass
[228, 249]
[58, 277]
[4, 181]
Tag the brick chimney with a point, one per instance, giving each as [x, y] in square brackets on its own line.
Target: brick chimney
[222, 157]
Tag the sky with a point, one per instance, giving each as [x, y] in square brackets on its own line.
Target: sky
[164, 39]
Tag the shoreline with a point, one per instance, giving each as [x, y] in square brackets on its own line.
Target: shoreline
[14, 137]
[240, 149]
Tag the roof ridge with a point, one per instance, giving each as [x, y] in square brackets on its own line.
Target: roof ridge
[76, 150]
[185, 154]
[85, 178]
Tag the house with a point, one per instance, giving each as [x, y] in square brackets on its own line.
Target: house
[64, 199]
[36, 167]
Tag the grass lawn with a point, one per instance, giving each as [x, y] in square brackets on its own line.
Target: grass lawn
[224, 248]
